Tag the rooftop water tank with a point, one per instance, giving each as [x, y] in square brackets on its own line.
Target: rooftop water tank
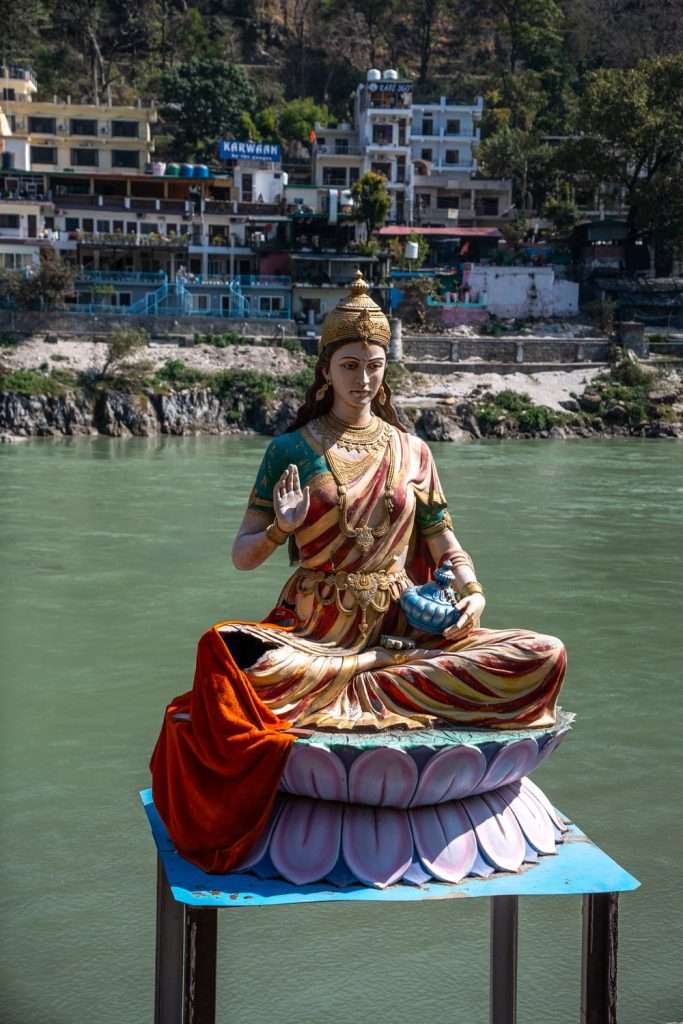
[158, 168]
[374, 75]
[412, 251]
[186, 170]
[390, 75]
[172, 171]
[200, 171]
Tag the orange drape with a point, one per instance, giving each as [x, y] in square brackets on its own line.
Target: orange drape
[214, 777]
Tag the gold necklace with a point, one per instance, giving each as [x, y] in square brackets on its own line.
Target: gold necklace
[370, 438]
[343, 471]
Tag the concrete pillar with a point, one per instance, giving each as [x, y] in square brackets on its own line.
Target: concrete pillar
[455, 352]
[519, 352]
[396, 341]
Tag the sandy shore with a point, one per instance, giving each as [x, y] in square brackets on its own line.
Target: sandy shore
[86, 355]
[547, 388]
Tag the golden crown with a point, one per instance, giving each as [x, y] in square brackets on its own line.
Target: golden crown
[356, 318]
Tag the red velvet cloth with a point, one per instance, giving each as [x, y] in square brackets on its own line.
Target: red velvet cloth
[215, 776]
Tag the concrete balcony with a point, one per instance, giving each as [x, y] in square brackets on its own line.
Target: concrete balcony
[333, 151]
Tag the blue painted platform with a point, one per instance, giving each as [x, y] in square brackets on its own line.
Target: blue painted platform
[578, 867]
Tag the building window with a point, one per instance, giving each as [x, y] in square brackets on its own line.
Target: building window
[42, 125]
[9, 220]
[131, 227]
[218, 234]
[452, 156]
[448, 202]
[71, 224]
[85, 157]
[335, 176]
[354, 173]
[341, 146]
[488, 207]
[43, 154]
[84, 298]
[427, 126]
[9, 94]
[125, 158]
[124, 129]
[88, 224]
[270, 303]
[124, 298]
[104, 226]
[149, 229]
[384, 169]
[118, 227]
[424, 200]
[452, 127]
[247, 188]
[382, 134]
[202, 302]
[171, 229]
[426, 154]
[83, 126]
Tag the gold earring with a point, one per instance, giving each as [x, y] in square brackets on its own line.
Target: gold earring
[382, 396]
[322, 391]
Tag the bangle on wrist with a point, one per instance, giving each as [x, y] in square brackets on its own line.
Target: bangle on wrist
[473, 587]
[275, 535]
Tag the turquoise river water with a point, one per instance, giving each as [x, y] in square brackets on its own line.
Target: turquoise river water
[115, 557]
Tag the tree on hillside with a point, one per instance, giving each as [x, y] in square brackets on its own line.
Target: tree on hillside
[296, 119]
[204, 100]
[42, 287]
[632, 137]
[523, 157]
[372, 201]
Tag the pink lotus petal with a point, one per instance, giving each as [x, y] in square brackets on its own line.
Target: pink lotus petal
[444, 839]
[551, 745]
[383, 777]
[315, 772]
[305, 841]
[257, 851]
[536, 793]
[533, 819]
[377, 844]
[452, 773]
[499, 836]
[509, 764]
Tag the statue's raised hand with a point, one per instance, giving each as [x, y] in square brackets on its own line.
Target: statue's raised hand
[290, 501]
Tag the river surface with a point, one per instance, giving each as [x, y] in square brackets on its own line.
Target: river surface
[115, 558]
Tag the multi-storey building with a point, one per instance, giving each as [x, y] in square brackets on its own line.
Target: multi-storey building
[65, 136]
[425, 151]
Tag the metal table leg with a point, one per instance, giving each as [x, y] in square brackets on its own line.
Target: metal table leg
[599, 959]
[185, 973]
[503, 971]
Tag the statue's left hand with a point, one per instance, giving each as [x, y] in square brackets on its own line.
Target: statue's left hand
[471, 609]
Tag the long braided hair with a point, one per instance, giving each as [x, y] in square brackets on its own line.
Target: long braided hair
[314, 407]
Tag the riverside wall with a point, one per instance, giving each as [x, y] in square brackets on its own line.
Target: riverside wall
[442, 348]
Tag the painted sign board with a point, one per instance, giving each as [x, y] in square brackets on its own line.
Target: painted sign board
[390, 86]
[231, 149]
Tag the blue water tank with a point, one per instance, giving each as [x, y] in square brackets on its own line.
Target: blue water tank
[201, 171]
[186, 170]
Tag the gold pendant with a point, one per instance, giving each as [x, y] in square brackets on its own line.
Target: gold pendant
[364, 538]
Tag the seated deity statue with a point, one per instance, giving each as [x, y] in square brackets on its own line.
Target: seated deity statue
[357, 499]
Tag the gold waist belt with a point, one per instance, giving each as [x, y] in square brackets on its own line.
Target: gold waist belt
[368, 590]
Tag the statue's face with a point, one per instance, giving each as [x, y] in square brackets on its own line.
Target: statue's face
[356, 372]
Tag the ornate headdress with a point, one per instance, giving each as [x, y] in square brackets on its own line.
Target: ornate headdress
[356, 318]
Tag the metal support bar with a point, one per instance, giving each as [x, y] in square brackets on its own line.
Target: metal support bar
[503, 973]
[185, 972]
[599, 958]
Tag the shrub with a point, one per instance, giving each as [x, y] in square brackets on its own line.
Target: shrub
[33, 382]
[8, 339]
[177, 373]
[220, 340]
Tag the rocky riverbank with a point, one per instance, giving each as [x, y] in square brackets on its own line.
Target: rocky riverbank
[236, 394]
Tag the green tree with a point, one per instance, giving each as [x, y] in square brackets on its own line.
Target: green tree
[521, 156]
[44, 287]
[372, 201]
[204, 100]
[123, 343]
[298, 117]
[632, 137]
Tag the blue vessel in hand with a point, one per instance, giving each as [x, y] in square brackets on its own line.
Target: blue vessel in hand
[431, 607]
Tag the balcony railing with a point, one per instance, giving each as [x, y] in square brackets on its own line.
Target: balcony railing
[122, 277]
[18, 74]
[132, 203]
[333, 151]
[116, 239]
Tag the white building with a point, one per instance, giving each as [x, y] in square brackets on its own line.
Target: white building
[425, 151]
